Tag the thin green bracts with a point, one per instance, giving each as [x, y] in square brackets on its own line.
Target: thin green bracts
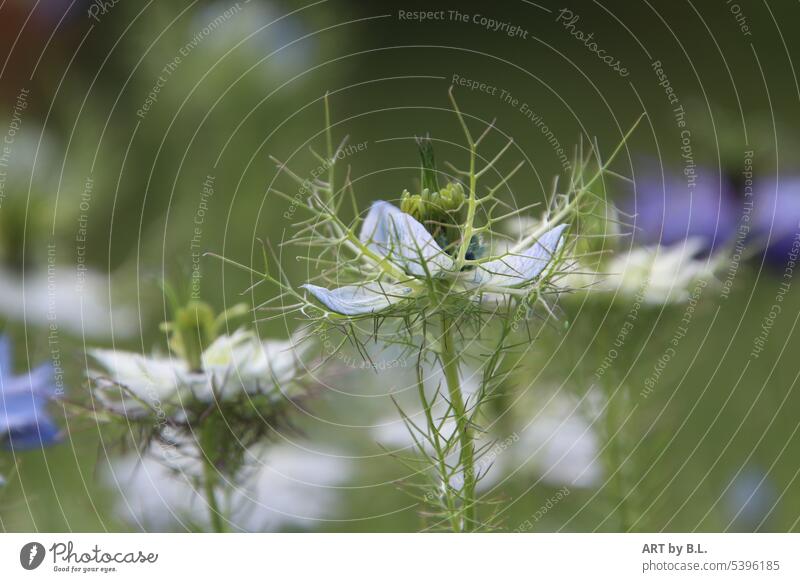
[466, 235]
[435, 440]
[331, 157]
[565, 212]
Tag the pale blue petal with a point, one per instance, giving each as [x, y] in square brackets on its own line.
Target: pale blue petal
[16, 410]
[42, 380]
[6, 361]
[24, 421]
[524, 266]
[359, 299]
[42, 432]
[374, 232]
[394, 234]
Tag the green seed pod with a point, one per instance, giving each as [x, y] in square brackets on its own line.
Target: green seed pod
[193, 332]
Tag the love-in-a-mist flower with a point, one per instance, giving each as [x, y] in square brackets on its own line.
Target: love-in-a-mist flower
[209, 401]
[407, 259]
[204, 365]
[25, 422]
[432, 277]
[235, 364]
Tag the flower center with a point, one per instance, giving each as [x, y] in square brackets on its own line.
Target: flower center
[441, 210]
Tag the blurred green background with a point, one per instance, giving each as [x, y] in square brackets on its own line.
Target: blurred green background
[252, 87]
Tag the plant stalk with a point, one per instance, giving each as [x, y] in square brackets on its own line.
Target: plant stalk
[450, 361]
[210, 477]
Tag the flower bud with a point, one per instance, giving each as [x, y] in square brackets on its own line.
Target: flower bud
[193, 332]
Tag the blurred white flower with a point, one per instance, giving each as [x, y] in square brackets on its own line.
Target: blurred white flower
[295, 487]
[232, 364]
[149, 378]
[657, 275]
[75, 302]
[241, 361]
[292, 487]
[560, 444]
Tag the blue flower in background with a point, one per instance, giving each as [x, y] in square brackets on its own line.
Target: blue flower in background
[668, 211]
[750, 499]
[24, 420]
[776, 216]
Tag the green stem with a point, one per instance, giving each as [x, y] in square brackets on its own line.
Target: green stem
[615, 461]
[450, 361]
[615, 450]
[210, 478]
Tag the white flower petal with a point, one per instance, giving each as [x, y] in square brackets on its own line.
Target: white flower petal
[526, 265]
[279, 359]
[394, 234]
[241, 361]
[659, 275]
[149, 378]
[561, 442]
[375, 232]
[359, 299]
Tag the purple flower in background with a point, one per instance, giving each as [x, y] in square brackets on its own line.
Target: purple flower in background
[750, 499]
[24, 420]
[776, 216]
[669, 211]
[53, 11]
